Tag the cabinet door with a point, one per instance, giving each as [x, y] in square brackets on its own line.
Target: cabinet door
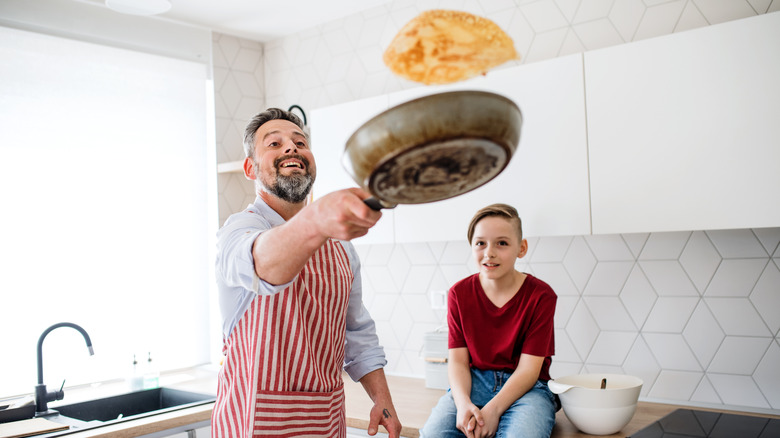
[684, 130]
[331, 127]
[547, 178]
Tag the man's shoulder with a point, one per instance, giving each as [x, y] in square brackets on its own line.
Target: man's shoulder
[257, 214]
[251, 211]
[244, 222]
[248, 214]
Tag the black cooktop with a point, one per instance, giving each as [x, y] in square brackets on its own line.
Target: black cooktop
[688, 423]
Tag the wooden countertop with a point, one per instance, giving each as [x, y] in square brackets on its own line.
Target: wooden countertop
[149, 425]
[413, 402]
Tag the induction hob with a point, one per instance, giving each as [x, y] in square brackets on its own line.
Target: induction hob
[688, 423]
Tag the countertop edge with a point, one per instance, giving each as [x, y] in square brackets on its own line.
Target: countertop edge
[148, 425]
[412, 399]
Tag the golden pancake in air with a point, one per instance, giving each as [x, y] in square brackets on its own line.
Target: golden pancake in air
[441, 47]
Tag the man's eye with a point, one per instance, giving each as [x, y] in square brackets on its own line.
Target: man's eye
[273, 144]
[301, 144]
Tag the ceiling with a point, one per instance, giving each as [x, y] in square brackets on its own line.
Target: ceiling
[262, 20]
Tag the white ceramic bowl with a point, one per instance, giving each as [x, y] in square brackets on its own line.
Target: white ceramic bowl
[594, 410]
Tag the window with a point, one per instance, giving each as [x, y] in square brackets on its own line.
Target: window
[106, 182]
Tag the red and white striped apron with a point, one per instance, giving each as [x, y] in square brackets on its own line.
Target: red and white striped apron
[281, 376]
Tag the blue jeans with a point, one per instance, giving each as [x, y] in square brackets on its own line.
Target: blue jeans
[530, 416]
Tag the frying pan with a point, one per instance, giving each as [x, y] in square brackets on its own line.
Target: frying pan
[433, 148]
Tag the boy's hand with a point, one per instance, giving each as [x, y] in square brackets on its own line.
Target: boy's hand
[469, 420]
[489, 426]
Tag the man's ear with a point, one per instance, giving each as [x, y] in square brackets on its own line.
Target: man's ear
[249, 168]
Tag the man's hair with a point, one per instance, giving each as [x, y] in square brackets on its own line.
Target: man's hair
[500, 210]
[261, 118]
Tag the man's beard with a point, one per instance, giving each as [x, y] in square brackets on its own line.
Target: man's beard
[291, 188]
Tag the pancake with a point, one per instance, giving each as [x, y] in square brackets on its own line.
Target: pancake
[443, 46]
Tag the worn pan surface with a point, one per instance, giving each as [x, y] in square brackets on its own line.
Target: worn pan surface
[434, 147]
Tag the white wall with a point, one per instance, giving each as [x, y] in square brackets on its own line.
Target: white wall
[239, 95]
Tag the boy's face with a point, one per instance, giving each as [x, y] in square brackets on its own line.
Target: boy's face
[496, 246]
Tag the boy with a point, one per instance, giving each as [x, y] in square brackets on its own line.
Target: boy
[500, 340]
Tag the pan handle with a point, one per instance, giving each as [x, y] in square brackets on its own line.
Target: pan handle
[376, 204]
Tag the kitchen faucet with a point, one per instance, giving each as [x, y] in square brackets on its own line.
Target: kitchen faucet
[43, 397]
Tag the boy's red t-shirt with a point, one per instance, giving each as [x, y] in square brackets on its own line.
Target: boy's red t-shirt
[495, 337]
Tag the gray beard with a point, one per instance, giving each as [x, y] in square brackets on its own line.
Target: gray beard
[292, 188]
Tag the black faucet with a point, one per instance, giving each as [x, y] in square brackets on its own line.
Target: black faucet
[43, 397]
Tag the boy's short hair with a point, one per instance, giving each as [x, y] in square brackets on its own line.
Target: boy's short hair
[500, 210]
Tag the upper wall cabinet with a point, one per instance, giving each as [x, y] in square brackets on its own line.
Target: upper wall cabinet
[684, 130]
[331, 127]
[546, 179]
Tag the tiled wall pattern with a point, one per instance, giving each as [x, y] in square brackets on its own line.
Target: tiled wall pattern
[342, 60]
[238, 95]
[695, 314]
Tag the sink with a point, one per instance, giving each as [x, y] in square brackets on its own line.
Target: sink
[133, 404]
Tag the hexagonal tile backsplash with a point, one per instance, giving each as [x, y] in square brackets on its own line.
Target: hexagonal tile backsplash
[640, 314]
[695, 314]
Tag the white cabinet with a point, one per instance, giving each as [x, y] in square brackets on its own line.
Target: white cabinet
[684, 130]
[331, 127]
[683, 133]
[547, 178]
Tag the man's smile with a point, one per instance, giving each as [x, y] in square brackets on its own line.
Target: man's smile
[291, 164]
[292, 161]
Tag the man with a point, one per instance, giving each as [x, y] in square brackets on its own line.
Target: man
[291, 297]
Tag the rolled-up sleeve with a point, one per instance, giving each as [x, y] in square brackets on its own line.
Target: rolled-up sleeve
[363, 353]
[237, 281]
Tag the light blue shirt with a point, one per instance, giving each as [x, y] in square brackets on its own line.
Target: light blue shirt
[238, 285]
